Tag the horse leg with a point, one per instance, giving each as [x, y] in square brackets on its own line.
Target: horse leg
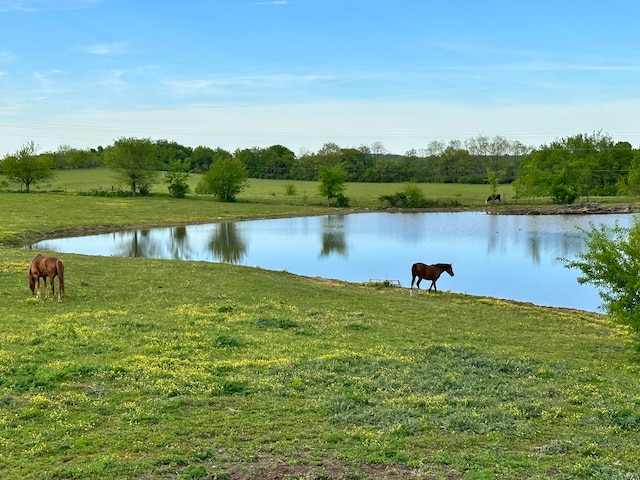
[433, 284]
[53, 287]
[59, 290]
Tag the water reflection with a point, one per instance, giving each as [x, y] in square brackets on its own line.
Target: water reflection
[513, 257]
[179, 246]
[227, 243]
[333, 236]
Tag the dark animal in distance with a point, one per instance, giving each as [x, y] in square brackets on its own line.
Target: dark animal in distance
[494, 198]
[429, 272]
[47, 268]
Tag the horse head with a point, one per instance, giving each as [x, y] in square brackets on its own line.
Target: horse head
[449, 269]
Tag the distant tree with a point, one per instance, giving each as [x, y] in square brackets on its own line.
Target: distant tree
[167, 152]
[493, 178]
[176, 178]
[201, 159]
[68, 157]
[355, 163]
[25, 167]
[633, 178]
[274, 162]
[225, 179]
[332, 182]
[278, 161]
[134, 161]
[612, 263]
[576, 166]
[252, 161]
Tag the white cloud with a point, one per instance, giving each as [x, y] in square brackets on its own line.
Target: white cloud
[115, 48]
[256, 82]
[31, 6]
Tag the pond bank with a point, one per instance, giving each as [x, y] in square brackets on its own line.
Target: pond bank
[577, 209]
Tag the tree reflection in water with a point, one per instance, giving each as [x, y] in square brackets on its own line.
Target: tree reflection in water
[227, 244]
[136, 243]
[179, 247]
[333, 236]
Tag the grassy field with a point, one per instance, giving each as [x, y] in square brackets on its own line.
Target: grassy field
[171, 369]
[275, 191]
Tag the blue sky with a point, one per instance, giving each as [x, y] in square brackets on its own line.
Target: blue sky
[301, 73]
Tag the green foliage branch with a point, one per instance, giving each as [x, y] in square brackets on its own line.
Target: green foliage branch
[612, 264]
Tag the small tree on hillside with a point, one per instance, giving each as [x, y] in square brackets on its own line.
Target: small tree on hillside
[134, 161]
[25, 167]
[225, 179]
[176, 179]
[332, 183]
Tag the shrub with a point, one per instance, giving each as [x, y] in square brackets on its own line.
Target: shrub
[612, 263]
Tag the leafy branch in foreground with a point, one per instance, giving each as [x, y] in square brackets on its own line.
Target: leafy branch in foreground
[612, 264]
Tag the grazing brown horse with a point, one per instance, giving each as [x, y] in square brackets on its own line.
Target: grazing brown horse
[429, 272]
[46, 267]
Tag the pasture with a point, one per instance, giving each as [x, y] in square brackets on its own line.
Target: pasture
[170, 369]
[291, 192]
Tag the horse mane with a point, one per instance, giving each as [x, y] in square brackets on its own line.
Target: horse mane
[442, 265]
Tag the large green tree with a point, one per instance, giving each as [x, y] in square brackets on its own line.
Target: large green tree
[26, 167]
[135, 162]
[576, 166]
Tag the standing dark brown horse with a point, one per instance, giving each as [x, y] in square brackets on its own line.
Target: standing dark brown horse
[46, 267]
[429, 272]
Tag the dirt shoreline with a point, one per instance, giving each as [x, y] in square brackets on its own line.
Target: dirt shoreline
[578, 209]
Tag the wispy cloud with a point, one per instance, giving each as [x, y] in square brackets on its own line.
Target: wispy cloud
[274, 2]
[7, 6]
[258, 81]
[115, 48]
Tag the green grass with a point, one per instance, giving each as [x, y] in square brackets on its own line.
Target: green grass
[172, 369]
[276, 191]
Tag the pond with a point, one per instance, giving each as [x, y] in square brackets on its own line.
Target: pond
[504, 256]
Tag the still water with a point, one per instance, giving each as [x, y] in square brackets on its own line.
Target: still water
[504, 256]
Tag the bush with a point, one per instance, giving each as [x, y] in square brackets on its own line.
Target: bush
[176, 179]
[612, 263]
[411, 196]
[563, 194]
[414, 195]
[225, 179]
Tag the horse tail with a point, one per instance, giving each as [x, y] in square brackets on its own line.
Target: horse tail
[60, 269]
[413, 274]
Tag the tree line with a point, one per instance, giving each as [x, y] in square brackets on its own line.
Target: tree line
[566, 169]
[452, 162]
